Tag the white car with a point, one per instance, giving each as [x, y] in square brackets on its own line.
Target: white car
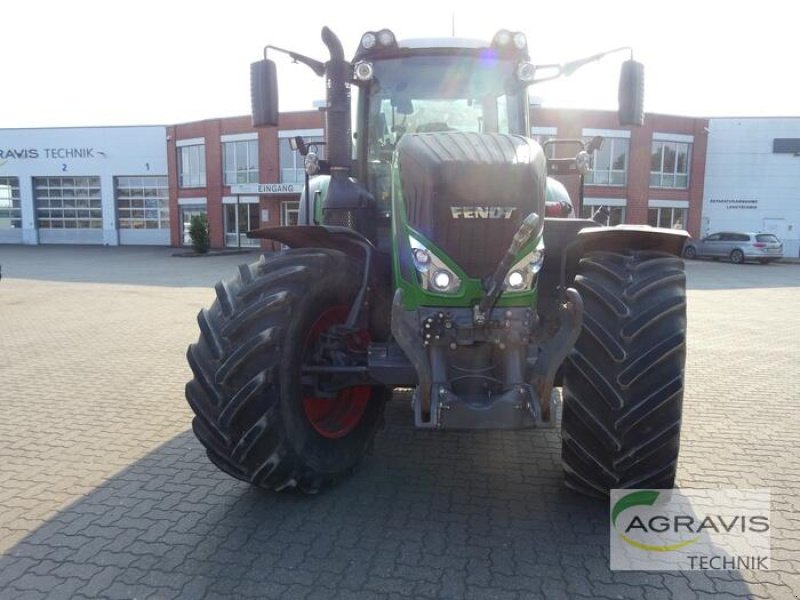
[736, 246]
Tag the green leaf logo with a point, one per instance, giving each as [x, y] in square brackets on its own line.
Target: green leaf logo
[643, 498]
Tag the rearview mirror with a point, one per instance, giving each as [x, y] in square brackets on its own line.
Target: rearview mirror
[631, 94]
[264, 93]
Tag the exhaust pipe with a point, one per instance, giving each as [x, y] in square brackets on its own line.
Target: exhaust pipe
[337, 115]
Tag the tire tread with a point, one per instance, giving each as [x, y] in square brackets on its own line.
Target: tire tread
[236, 363]
[623, 381]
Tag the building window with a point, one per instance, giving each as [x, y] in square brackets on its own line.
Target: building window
[10, 208]
[142, 202]
[671, 218]
[68, 202]
[669, 165]
[192, 166]
[609, 163]
[290, 212]
[549, 149]
[291, 162]
[543, 134]
[240, 162]
[786, 145]
[608, 215]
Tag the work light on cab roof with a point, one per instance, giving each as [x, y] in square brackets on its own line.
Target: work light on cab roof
[506, 39]
[381, 39]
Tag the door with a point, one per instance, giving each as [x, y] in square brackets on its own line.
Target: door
[187, 212]
[773, 226]
[727, 243]
[709, 246]
[239, 219]
[290, 212]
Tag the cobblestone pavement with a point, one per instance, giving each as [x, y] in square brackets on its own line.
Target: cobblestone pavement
[105, 493]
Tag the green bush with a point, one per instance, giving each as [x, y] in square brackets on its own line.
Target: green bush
[198, 232]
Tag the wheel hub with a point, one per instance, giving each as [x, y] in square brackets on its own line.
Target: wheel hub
[335, 417]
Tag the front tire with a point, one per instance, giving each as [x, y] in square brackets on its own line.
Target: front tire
[255, 416]
[623, 382]
[737, 257]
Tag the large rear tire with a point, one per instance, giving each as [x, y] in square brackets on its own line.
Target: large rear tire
[623, 382]
[255, 417]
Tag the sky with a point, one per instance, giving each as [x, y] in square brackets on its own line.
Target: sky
[124, 62]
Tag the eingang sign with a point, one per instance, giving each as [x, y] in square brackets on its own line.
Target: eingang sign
[265, 188]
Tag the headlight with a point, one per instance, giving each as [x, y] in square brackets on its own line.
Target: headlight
[523, 274]
[368, 40]
[422, 259]
[385, 37]
[516, 279]
[537, 260]
[363, 71]
[583, 162]
[311, 163]
[506, 40]
[502, 38]
[526, 72]
[433, 273]
[442, 279]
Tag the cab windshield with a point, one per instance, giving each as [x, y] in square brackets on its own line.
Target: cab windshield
[423, 94]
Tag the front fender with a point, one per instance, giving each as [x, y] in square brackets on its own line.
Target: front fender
[330, 237]
[567, 240]
[633, 237]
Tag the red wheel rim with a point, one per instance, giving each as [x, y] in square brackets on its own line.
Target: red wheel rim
[334, 418]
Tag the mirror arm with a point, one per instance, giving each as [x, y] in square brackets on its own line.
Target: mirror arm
[567, 69]
[315, 65]
[558, 73]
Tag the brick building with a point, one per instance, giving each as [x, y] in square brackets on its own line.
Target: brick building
[205, 158]
[127, 185]
[645, 175]
[653, 174]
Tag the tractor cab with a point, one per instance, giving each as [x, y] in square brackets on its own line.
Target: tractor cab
[433, 86]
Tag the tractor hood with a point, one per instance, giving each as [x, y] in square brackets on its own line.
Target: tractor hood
[469, 192]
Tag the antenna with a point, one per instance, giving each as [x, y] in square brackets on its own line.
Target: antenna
[453, 24]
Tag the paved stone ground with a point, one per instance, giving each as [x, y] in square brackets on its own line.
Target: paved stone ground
[105, 493]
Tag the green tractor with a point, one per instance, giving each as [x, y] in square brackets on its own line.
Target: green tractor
[435, 253]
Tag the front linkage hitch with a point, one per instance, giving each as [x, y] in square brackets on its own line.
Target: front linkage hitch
[433, 338]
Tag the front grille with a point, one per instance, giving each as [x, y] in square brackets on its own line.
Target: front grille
[342, 218]
[454, 182]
